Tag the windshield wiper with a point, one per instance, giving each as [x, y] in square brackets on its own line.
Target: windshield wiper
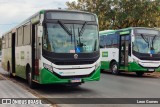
[66, 29]
[153, 39]
[82, 29]
[147, 41]
[80, 32]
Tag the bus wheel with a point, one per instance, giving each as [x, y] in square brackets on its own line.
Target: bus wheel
[114, 68]
[9, 70]
[139, 74]
[29, 77]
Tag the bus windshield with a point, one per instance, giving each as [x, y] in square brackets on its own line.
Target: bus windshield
[71, 38]
[147, 44]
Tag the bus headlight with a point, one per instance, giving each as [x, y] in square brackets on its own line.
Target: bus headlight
[97, 65]
[48, 67]
[135, 60]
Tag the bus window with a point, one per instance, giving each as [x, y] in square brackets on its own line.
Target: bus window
[102, 45]
[20, 36]
[3, 42]
[111, 40]
[27, 35]
[6, 40]
[9, 40]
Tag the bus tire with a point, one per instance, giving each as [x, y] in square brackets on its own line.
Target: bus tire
[29, 78]
[114, 68]
[139, 74]
[102, 70]
[9, 70]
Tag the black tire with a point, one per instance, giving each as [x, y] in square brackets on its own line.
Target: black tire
[29, 79]
[9, 70]
[114, 68]
[139, 74]
[102, 70]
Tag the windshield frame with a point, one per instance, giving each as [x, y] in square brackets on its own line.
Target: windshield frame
[146, 37]
[68, 58]
[70, 22]
[144, 56]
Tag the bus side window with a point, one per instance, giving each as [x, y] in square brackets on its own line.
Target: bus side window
[27, 35]
[111, 41]
[9, 40]
[102, 41]
[115, 40]
[107, 41]
[3, 42]
[20, 36]
[6, 40]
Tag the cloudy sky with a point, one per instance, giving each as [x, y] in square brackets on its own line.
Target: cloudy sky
[13, 12]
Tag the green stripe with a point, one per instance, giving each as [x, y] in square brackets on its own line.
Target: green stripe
[124, 32]
[105, 65]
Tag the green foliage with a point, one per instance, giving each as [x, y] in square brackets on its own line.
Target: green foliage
[115, 14]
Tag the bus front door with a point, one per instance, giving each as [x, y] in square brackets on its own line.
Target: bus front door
[123, 50]
[13, 53]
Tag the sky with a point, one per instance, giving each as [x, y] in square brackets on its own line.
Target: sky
[13, 12]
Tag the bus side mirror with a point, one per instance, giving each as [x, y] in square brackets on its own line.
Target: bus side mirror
[40, 31]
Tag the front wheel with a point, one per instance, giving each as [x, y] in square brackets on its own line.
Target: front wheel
[139, 74]
[114, 68]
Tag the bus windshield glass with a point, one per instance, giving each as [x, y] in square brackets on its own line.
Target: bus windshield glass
[71, 38]
[147, 42]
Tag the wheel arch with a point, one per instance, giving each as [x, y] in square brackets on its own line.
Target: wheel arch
[27, 69]
[8, 65]
[111, 62]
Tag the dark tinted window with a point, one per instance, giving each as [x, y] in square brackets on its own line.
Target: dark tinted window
[102, 41]
[111, 40]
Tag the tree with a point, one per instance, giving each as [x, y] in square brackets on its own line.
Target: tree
[115, 14]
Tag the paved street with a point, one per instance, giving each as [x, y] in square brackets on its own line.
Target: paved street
[110, 86]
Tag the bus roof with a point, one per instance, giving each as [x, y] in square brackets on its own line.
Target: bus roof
[42, 12]
[119, 30]
[106, 32]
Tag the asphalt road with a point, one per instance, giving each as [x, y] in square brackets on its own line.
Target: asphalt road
[110, 86]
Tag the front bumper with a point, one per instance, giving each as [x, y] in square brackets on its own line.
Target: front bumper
[47, 77]
[134, 67]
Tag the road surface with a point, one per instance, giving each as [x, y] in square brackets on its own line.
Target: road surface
[9, 89]
[110, 86]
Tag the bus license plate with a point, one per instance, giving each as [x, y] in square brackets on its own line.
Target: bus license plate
[76, 80]
[150, 69]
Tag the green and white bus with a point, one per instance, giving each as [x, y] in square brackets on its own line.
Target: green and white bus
[134, 49]
[54, 46]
